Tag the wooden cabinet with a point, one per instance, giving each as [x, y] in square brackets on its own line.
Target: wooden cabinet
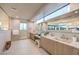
[48, 45]
[32, 36]
[75, 51]
[68, 50]
[57, 48]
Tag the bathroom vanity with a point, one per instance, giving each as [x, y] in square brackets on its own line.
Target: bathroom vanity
[57, 46]
[32, 36]
[65, 37]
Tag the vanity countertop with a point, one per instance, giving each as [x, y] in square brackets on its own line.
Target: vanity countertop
[66, 42]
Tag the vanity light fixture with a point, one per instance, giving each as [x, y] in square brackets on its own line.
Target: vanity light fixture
[0, 23]
[13, 9]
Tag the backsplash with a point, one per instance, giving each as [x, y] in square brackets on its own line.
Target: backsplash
[65, 35]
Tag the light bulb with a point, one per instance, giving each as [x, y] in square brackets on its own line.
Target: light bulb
[0, 23]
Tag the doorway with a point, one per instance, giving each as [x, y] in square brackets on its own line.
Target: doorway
[23, 30]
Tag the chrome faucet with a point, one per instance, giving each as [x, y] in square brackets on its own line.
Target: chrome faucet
[64, 37]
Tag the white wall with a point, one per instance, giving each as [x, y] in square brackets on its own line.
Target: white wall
[74, 6]
[4, 19]
[5, 35]
[31, 27]
[15, 24]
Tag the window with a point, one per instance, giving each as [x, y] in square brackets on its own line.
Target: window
[23, 26]
[61, 11]
[57, 27]
[57, 13]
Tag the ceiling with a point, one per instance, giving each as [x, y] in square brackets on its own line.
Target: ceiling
[28, 10]
[48, 9]
[21, 10]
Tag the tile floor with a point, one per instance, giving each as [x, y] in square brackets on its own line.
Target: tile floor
[24, 47]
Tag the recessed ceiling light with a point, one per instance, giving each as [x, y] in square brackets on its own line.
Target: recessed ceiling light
[16, 16]
[13, 9]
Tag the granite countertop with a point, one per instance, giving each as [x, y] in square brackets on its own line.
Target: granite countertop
[70, 43]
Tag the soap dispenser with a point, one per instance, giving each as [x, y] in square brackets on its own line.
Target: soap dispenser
[74, 38]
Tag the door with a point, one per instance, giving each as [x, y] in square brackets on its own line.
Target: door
[15, 34]
[23, 30]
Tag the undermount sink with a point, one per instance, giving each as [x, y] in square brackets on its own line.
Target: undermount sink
[64, 39]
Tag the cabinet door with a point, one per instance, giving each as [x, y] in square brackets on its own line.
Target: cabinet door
[75, 51]
[59, 48]
[48, 45]
[44, 43]
[32, 36]
[68, 50]
[52, 47]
